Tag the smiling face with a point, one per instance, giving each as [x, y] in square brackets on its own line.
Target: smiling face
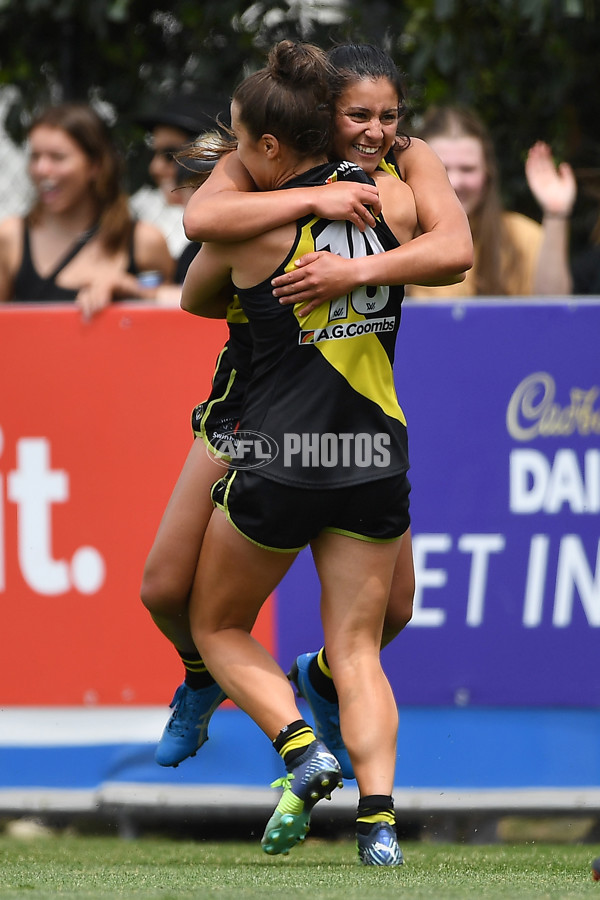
[366, 122]
[464, 161]
[59, 169]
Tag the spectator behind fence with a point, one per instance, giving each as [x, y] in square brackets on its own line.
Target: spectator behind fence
[173, 127]
[190, 174]
[79, 239]
[513, 254]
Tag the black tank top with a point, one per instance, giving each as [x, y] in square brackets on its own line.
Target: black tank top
[30, 286]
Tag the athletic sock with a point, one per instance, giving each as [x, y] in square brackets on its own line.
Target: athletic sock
[374, 808]
[292, 741]
[196, 674]
[320, 678]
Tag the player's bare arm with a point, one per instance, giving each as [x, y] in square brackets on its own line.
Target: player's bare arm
[441, 252]
[207, 290]
[227, 207]
[445, 235]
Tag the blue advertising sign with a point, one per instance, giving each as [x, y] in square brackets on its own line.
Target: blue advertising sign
[502, 400]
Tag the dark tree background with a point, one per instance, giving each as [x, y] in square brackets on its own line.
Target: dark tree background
[530, 67]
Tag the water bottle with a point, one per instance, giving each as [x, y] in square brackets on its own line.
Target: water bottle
[149, 279]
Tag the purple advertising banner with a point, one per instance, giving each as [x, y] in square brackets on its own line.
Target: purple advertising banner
[502, 400]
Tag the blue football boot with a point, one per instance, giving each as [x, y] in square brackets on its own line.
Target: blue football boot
[187, 729]
[313, 775]
[326, 714]
[380, 846]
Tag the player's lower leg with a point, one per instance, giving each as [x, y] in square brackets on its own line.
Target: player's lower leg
[376, 836]
[193, 705]
[310, 671]
[312, 678]
[313, 773]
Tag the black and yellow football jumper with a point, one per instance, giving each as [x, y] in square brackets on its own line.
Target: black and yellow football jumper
[322, 386]
[216, 419]
[322, 443]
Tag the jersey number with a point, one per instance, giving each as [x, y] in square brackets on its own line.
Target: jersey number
[346, 240]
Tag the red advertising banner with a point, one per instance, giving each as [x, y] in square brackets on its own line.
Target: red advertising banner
[94, 428]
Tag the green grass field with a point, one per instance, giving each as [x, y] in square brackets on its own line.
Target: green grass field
[71, 866]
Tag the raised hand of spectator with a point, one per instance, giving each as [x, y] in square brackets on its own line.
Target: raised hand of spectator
[554, 187]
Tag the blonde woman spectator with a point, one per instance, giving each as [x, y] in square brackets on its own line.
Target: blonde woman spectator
[513, 254]
[79, 241]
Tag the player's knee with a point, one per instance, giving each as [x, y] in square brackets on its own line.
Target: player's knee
[149, 595]
[399, 612]
[160, 595]
[400, 618]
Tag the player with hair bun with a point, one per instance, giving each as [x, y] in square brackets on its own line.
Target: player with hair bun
[353, 516]
[224, 206]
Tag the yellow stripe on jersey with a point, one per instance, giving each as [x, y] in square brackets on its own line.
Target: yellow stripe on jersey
[235, 313]
[371, 375]
[389, 167]
[305, 244]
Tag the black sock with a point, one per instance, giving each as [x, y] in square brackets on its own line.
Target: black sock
[196, 673]
[292, 741]
[320, 677]
[374, 808]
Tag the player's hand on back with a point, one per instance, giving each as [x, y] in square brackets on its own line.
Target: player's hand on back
[318, 278]
[351, 201]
